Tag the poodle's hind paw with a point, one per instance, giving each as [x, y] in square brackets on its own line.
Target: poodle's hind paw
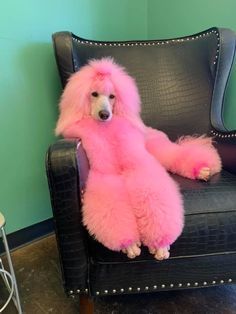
[204, 174]
[160, 253]
[132, 250]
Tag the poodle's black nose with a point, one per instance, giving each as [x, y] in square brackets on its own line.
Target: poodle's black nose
[104, 114]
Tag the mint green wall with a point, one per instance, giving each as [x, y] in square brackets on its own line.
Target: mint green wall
[179, 18]
[30, 88]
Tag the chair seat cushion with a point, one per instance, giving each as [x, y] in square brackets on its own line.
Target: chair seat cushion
[210, 221]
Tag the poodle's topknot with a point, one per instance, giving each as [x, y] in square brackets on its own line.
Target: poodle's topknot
[105, 66]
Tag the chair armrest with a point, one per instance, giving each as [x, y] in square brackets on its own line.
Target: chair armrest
[226, 146]
[62, 164]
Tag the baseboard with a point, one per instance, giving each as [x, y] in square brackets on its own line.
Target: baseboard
[28, 234]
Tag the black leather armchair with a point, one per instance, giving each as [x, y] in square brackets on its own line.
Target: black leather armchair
[182, 83]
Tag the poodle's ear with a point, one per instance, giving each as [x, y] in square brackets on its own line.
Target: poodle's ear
[74, 104]
[128, 103]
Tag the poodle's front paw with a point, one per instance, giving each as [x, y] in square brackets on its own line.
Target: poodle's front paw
[160, 253]
[132, 250]
[204, 174]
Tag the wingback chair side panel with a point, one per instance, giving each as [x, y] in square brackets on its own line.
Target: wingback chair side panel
[62, 44]
[64, 185]
[226, 140]
[224, 62]
[187, 109]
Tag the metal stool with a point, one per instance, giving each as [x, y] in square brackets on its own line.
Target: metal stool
[8, 277]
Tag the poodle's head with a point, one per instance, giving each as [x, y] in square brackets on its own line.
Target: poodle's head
[100, 89]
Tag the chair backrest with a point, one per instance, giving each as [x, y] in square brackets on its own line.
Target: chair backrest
[181, 81]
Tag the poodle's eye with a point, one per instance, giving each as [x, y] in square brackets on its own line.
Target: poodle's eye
[94, 94]
[112, 96]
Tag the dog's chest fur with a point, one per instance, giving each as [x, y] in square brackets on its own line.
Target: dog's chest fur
[113, 145]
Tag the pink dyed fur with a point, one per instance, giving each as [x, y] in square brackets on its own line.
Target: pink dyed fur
[129, 195]
[186, 157]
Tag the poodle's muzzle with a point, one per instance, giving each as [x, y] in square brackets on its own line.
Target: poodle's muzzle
[102, 108]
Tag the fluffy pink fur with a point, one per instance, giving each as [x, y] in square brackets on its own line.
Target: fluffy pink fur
[186, 157]
[107, 77]
[129, 196]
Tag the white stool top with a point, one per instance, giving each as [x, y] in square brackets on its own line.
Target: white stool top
[2, 220]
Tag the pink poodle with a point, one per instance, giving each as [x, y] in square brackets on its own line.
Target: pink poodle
[130, 197]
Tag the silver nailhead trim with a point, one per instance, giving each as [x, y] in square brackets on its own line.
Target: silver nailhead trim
[78, 290]
[143, 43]
[71, 292]
[155, 286]
[221, 135]
[114, 44]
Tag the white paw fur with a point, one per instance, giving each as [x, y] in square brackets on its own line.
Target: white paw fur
[132, 250]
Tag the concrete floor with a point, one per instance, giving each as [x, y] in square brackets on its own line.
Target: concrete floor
[38, 273]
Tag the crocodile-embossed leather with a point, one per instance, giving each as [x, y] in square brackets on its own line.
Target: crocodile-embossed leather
[64, 185]
[176, 79]
[172, 274]
[174, 82]
[227, 149]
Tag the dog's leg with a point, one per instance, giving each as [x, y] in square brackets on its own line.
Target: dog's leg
[107, 214]
[191, 157]
[157, 205]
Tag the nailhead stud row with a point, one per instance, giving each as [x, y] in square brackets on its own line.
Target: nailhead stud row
[163, 286]
[146, 288]
[154, 43]
[218, 46]
[221, 135]
[142, 43]
[78, 291]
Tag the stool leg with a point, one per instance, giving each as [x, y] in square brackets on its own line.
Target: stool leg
[11, 270]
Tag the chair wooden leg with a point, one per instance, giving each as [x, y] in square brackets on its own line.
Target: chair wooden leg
[86, 305]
